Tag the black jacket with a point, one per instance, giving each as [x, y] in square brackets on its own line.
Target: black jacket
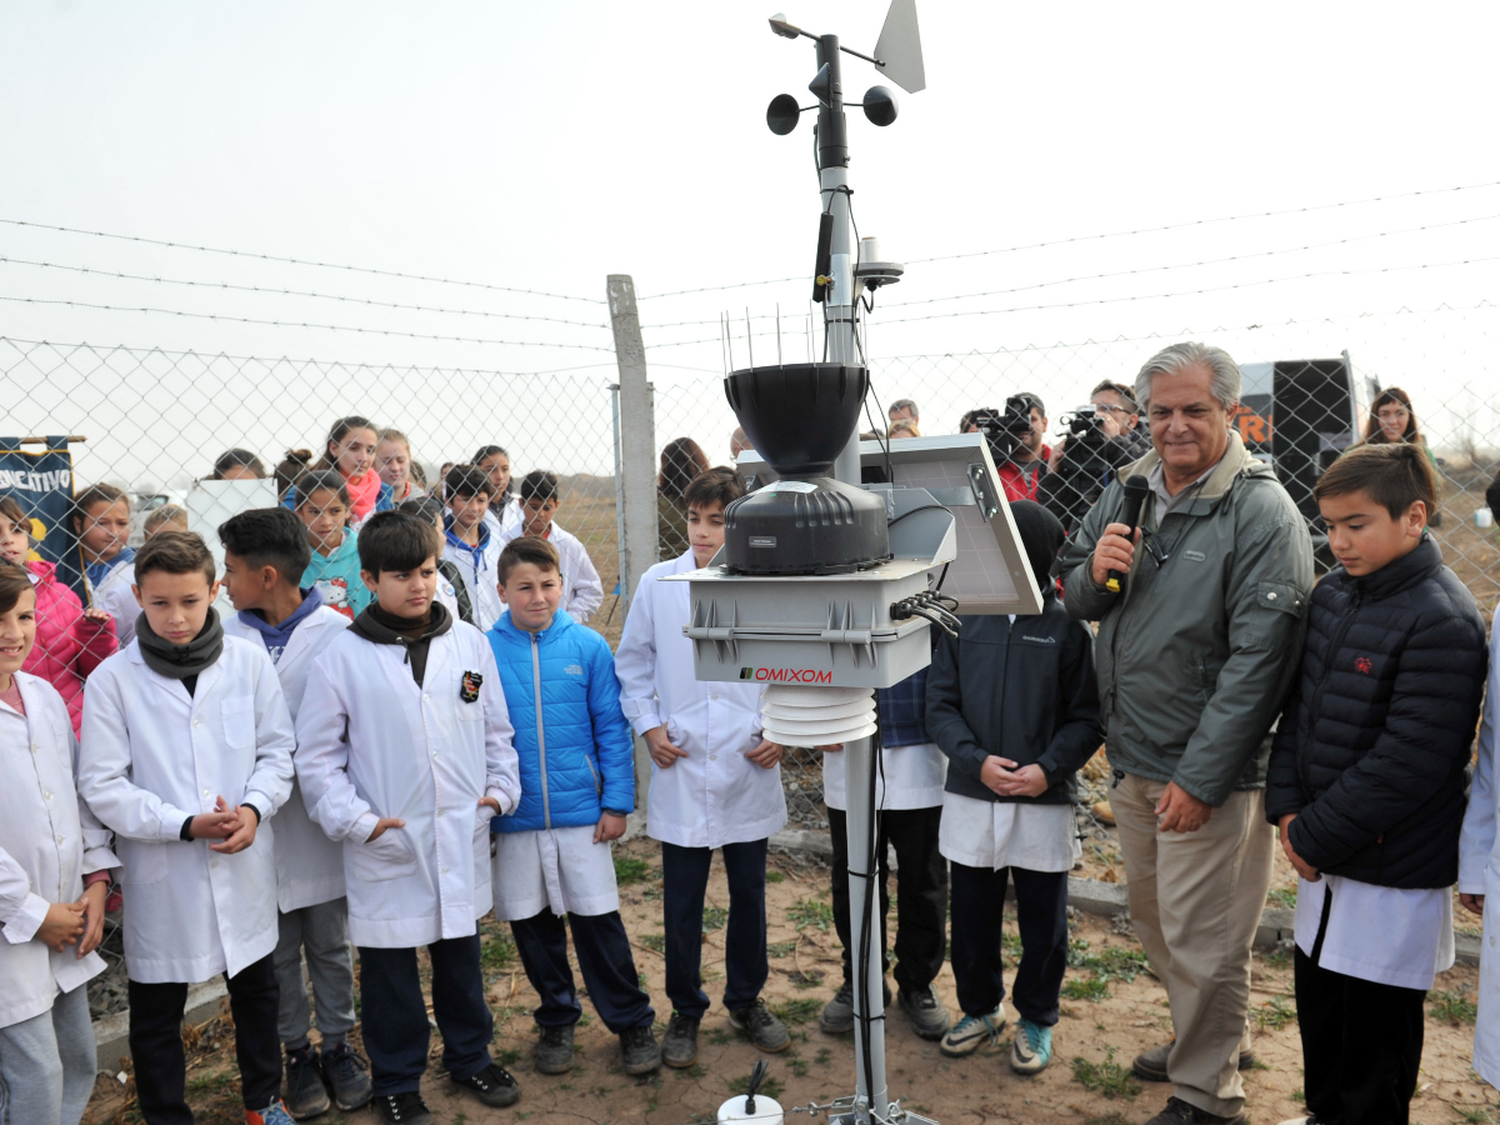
[1025, 691]
[1373, 749]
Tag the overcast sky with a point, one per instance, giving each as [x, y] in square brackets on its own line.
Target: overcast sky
[544, 146]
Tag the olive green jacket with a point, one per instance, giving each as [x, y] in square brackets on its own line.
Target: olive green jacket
[1197, 652]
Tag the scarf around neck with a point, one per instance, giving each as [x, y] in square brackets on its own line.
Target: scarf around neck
[178, 662]
[364, 493]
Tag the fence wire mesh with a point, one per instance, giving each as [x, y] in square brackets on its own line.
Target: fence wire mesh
[151, 422]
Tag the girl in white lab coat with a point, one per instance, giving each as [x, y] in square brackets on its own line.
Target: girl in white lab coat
[404, 755]
[266, 553]
[715, 783]
[1479, 871]
[187, 753]
[54, 875]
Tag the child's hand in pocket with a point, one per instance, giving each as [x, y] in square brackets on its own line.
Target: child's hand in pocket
[611, 827]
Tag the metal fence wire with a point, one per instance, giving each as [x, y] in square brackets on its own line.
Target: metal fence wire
[151, 422]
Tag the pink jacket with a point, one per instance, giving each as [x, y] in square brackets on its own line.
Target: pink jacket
[68, 645]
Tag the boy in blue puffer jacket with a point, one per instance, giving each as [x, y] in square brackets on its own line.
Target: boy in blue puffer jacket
[552, 854]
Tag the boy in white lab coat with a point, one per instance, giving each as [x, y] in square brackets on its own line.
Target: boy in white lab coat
[715, 783]
[186, 754]
[51, 894]
[1478, 863]
[404, 754]
[540, 495]
[266, 552]
[469, 542]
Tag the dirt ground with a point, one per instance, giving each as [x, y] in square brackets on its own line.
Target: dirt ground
[1111, 1010]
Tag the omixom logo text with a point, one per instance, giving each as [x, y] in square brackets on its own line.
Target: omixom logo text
[786, 675]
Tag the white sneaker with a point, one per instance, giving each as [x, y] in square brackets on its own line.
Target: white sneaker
[966, 1036]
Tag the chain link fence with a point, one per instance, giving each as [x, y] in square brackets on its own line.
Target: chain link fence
[152, 422]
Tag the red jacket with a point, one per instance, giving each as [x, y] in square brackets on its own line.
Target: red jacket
[1020, 482]
[68, 645]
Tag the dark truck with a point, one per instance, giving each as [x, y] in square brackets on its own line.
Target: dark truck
[1298, 416]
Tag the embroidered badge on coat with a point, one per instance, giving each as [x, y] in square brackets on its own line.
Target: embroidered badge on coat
[469, 692]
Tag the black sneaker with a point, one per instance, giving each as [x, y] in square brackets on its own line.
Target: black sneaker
[554, 1049]
[403, 1109]
[929, 1015]
[638, 1050]
[348, 1076]
[838, 1014]
[765, 1030]
[493, 1086]
[306, 1096]
[679, 1046]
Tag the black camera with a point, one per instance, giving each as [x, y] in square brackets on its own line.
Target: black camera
[1087, 463]
[1004, 432]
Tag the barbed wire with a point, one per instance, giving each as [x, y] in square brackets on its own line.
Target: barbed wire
[275, 291]
[301, 324]
[1133, 297]
[1187, 224]
[1277, 252]
[65, 348]
[259, 257]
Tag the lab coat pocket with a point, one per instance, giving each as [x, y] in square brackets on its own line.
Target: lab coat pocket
[142, 862]
[239, 723]
[389, 856]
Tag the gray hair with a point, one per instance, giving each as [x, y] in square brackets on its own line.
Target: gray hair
[1224, 383]
[903, 404]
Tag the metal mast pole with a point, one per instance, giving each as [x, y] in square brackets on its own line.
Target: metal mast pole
[839, 310]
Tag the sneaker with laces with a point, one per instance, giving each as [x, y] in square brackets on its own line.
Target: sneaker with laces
[679, 1046]
[347, 1075]
[765, 1030]
[554, 1048]
[929, 1015]
[1179, 1112]
[968, 1034]
[639, 1053]
[405, 1108]
[305, 1094]
[273, 1114]
[838, 1014]
[493, 1086]
[1032, 1050]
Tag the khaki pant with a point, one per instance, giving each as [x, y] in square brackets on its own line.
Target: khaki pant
[1196, 900]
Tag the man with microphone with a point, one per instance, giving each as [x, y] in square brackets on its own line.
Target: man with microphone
[1201, 617]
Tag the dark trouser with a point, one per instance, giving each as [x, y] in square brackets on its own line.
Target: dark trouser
[978, 914]
[604, 958]
[395, 1017]
[156, 1042]
[1361, 1043]
[921, 891]
[684, 881]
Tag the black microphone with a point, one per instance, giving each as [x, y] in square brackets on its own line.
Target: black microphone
[1136, 489]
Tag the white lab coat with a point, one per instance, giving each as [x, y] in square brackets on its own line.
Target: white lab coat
[507, 526]
[48, 842]
[309, 866]
[372, 744]
[151, 757]
[116, 597]
[1479, 870]
[583, 591]
[477, 568]
[714, 796]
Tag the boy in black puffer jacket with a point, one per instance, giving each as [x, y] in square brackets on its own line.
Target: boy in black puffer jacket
[1366, 781]
[1014, 704]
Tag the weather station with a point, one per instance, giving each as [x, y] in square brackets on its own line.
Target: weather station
[846, 555]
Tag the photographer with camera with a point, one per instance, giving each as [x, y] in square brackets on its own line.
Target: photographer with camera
[1016, 441]
[1101, 437]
